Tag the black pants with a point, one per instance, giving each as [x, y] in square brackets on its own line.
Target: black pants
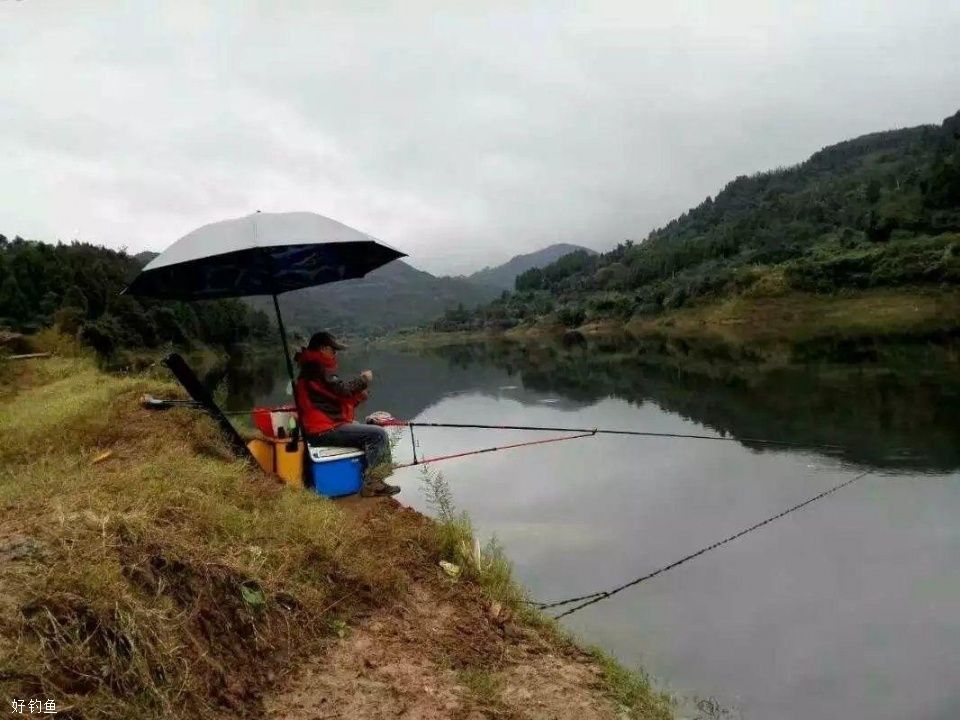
[372, 439]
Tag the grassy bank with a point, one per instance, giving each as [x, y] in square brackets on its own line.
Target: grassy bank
[783, 317]
[148, 574]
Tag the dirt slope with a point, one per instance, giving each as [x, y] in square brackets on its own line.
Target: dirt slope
[443, 651]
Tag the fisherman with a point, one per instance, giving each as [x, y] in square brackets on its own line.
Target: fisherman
[327, 403]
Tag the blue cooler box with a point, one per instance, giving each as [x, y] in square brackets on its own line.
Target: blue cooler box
[336, 471]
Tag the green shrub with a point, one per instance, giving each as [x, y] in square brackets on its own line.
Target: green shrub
[69, 319]
[571, 315]
[917, 261]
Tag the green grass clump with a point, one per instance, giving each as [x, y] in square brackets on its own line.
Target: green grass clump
[485, 687]
[52, 340]
[487, 564]
[69, 404]
[632, 690]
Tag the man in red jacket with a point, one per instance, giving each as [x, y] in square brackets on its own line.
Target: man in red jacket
[327, 403]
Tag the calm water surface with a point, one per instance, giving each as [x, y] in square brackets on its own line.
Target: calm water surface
[847, 609]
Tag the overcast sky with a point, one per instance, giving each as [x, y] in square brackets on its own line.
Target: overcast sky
[460, 132]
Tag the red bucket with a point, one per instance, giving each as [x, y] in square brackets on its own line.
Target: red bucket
[270, 420]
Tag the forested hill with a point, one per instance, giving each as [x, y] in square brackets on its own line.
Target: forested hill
[881, 210]
[394, 296]
[77, 286]
[503, 276]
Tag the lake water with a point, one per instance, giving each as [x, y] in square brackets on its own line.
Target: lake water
[849, 608]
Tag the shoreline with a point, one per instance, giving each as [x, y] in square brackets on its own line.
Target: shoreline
[792, 317]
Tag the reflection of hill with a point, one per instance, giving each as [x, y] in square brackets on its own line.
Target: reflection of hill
[405, 384]
[247, 378]
[892, 406]
[521, 374]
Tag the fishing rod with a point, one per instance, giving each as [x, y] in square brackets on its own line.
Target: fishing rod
[149, 402]
[593, 598]
[393, 422]
[438, 458]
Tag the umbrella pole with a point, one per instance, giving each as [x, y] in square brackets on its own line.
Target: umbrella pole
[283, 338]
[286, 356]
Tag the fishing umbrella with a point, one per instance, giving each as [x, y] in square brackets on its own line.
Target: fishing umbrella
[261, 254]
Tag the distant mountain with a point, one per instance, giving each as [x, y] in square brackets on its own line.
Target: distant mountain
[503, 276]
[392, 297]
[398, 295]
[877, 211]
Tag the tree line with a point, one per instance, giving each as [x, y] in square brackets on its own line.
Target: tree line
[76, 287]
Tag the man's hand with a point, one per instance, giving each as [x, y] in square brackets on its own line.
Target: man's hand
[367, 375]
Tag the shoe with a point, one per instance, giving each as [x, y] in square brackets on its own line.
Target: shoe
[378, 488]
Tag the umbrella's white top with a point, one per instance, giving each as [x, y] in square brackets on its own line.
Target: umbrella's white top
[257, 230]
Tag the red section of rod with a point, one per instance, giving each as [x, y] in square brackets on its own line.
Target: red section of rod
[424, 461]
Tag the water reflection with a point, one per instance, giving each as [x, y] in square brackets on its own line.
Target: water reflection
[248, 378]
[889, 405]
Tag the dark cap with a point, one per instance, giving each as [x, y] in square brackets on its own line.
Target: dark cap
[324, 339]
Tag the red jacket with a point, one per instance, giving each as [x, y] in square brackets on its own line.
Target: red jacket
[325, 400]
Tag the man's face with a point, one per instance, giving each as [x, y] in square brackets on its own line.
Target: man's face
[328, 351]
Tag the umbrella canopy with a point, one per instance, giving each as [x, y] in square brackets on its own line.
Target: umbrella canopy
[260, 254]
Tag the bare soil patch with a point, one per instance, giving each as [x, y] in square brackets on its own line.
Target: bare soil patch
[442, 650]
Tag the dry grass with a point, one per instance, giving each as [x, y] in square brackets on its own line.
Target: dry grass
[51, 340]
[167, 578]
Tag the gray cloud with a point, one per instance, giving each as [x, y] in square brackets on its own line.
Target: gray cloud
[462, 133]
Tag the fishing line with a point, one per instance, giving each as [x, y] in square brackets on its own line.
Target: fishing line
[601, 431]
[592, 598]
